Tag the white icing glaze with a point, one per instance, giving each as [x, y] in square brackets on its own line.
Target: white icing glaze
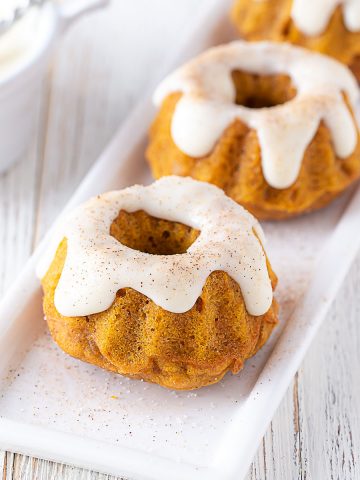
[207, 106]
[97, 265]
[19, 41]
[312, 16]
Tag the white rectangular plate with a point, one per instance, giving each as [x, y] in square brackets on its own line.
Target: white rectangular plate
[59, 408]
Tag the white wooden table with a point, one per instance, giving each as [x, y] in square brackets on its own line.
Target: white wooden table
[99, 71]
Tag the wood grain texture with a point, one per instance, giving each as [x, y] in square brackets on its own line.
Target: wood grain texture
[94, 81]
[315, 433]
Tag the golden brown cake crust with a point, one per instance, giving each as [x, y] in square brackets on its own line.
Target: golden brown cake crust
[271, 20]
[139, 339]
[235, 163]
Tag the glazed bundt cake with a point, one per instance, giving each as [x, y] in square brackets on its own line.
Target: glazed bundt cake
[167, 283]
[330, 27]
[271, 124]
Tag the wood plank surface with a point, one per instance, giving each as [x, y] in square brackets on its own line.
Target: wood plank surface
[97, 75]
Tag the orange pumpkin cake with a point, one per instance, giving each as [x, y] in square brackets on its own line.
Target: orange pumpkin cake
[330, 27]
[271, 124]
[167, 283]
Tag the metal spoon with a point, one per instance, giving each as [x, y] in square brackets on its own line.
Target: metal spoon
[18, 13]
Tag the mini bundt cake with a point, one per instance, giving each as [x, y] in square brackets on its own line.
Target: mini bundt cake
[331, 27]
[167, 283]
[271, 124]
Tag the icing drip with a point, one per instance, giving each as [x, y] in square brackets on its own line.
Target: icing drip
[312, 17]
[97, 265]
[207, 106]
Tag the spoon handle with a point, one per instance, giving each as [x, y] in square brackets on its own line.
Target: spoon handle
[74, 10]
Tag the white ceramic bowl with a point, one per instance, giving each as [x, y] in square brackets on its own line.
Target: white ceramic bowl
[20, 83]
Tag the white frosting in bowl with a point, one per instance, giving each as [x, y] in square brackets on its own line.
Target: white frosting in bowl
[97, 265]
[18, 42]
[312, 16]
[207, 106]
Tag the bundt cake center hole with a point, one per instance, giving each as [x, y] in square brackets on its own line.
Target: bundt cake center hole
[140, 231]
[262, 91]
